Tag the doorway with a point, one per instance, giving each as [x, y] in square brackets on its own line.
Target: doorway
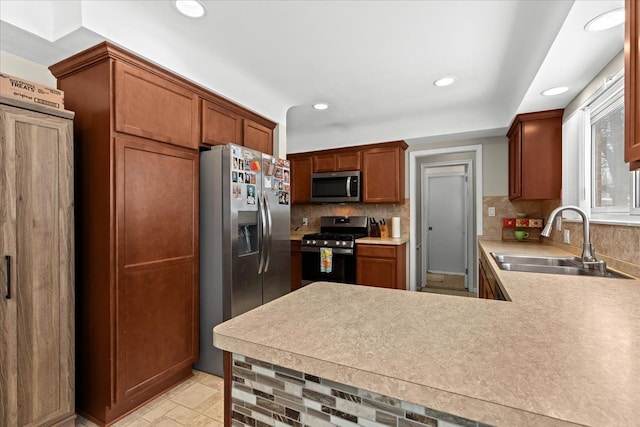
[445, 225]
[471, 156]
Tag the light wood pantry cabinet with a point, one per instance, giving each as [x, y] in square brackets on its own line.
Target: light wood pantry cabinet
[137, 228]
[632, 85]
[383, 173]
[37, 266]
[535, 156]
[382, 266]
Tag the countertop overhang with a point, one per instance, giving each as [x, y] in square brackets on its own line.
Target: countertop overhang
[565, 350]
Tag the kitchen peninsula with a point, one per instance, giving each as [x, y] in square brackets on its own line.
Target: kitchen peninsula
[564, 351]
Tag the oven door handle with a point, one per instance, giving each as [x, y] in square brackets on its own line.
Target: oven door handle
[337, 251]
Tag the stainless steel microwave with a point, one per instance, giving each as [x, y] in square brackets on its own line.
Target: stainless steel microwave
[335, 187]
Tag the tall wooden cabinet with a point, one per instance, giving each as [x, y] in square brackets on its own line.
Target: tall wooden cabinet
[137, 135]
[535, 156]
[632, 85]
[37, 266]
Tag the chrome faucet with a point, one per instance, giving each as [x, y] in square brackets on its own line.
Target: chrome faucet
[588, 254]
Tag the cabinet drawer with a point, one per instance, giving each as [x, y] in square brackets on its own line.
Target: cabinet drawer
[377, 251]
[153, 107]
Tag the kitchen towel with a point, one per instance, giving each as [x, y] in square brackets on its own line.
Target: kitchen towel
[326, 260]
[395, 227]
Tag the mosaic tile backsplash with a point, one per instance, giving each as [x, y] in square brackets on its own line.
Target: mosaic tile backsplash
[378, 211]
[269, 395]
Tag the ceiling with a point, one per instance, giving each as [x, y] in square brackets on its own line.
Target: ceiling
[374, 62]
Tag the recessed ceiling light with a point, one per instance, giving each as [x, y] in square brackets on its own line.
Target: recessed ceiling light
[607, 20]
[554, 91]
[445, 81]
[190, 8]
[321, 106]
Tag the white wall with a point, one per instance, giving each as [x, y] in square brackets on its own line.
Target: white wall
[495, 160]
[28, 70]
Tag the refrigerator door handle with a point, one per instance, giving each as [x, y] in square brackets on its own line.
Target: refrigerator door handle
[269, 231]
[263, 226]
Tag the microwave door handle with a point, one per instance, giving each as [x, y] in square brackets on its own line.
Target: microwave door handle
[262, 236]
[348, 186]
[269, 231]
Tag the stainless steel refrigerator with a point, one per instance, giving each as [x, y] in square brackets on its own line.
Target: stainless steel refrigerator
[244, 238]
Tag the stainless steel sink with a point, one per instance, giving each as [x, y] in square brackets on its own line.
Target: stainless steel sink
[536, 260]
[550, 265]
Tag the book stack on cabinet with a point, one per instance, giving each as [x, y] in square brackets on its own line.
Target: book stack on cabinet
[532, 226]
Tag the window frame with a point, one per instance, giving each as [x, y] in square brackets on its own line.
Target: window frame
[577, 170]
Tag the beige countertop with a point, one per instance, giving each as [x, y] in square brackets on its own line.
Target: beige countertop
[564, 351]
[365, 240]
[382, 240]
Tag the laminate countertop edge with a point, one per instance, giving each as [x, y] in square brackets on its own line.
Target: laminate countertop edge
[560, 353]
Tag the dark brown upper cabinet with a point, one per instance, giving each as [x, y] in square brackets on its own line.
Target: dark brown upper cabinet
[535, 156]
[632, 86]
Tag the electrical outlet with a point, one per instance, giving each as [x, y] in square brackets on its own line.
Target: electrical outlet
[305, 221]
[559, 224]
[566, 237]
[492, 211]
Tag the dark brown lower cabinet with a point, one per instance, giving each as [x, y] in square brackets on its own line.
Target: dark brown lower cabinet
[296, 265]
[157, 302]
[486, 282]
[382, 266]
[138, 327]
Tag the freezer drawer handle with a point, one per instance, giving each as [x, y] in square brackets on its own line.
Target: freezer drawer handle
[7, 259]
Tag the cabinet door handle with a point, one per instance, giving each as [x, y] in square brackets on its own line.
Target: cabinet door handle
[7, 259]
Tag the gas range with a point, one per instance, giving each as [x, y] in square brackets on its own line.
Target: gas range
[331, 240]
[337, 232]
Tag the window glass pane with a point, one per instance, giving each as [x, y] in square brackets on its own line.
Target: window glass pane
[610, 178]
[635, 209]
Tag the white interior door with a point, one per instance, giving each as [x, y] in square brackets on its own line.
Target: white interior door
[446, 223]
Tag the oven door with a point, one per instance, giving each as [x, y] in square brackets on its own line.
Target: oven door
[343, 267]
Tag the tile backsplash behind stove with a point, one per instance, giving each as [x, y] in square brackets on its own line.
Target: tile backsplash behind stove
[377, 211]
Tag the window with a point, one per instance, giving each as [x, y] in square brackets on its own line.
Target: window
[595, 175]
[610, 176]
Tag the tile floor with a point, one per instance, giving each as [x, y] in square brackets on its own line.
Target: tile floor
[196, 402]
[447, 284]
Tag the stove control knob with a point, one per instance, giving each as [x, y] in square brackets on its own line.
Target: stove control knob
[313, 243]
[344, 243]
[326, 243]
